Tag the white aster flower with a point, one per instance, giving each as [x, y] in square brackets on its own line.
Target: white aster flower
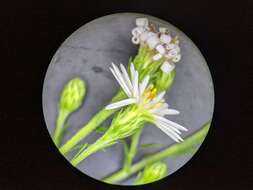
[145, 97]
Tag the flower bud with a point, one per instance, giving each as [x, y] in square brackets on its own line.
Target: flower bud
[143, 22]
[163, 30]
[153, 41]
[144, 36]
[137, 31]
[135, 40]
[160, 49]
[167, 67]
[72, 95]
[157, 57]
[172, 53]
[165, 38]
[152, 173]
[177, 58]
[170, 46]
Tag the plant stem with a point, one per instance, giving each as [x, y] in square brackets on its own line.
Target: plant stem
[91, 125]
[192, 140]
[62, 116]
[98, 145]
[133, 148]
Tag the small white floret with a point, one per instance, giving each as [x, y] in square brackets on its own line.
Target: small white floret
[157, 57]
[153, 41]
[137, 31]
[135, 40]
[165, 38]
[163, 30]
[167, 67]
[142, 22]
[160, 49]
[172, 53]
[151, 34]
[170, 46]
[144, 36]
[177, 58]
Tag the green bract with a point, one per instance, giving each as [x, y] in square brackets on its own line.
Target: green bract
[151, 173]
[145, 64]
[124, 124]
[164, 80]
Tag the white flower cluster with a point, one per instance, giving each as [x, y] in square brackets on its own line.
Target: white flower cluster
[161, 41]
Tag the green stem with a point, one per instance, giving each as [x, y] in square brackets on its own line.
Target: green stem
[98, 145]
[133, 148]
[62, 116]
[91, 125]
[196, 138]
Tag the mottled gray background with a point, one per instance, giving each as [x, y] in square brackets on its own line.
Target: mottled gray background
[88, 53]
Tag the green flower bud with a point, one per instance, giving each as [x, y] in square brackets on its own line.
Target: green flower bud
[72, 95]
[152, 173]
[71, 99]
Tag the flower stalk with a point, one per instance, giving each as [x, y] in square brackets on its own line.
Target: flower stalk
[132, 150]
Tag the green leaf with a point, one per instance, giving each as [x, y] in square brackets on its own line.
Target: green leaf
[150, 145]
[101, 129]
[125, 147]
[82, 147]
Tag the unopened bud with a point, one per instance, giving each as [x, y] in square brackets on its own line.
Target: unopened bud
[73, 95]
[152, 173]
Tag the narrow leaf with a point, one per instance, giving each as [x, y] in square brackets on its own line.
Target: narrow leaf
[150, 145]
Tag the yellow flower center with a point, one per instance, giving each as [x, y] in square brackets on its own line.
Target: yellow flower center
[150, 93]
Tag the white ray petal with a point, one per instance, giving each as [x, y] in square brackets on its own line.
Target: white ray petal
[159, 96]
[120, 83]
[166, 126]
[144, 84]
[169, 112]
[121, 103]
[126, 77]
[174, 133]
[170, 123]
[168, 133]
[117, 74]
[136, 85]
[132, 71]
[158, 110]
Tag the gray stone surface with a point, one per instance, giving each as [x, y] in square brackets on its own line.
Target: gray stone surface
[88, 53]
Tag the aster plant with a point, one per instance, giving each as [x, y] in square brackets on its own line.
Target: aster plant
[158, 52]
[140, 100]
